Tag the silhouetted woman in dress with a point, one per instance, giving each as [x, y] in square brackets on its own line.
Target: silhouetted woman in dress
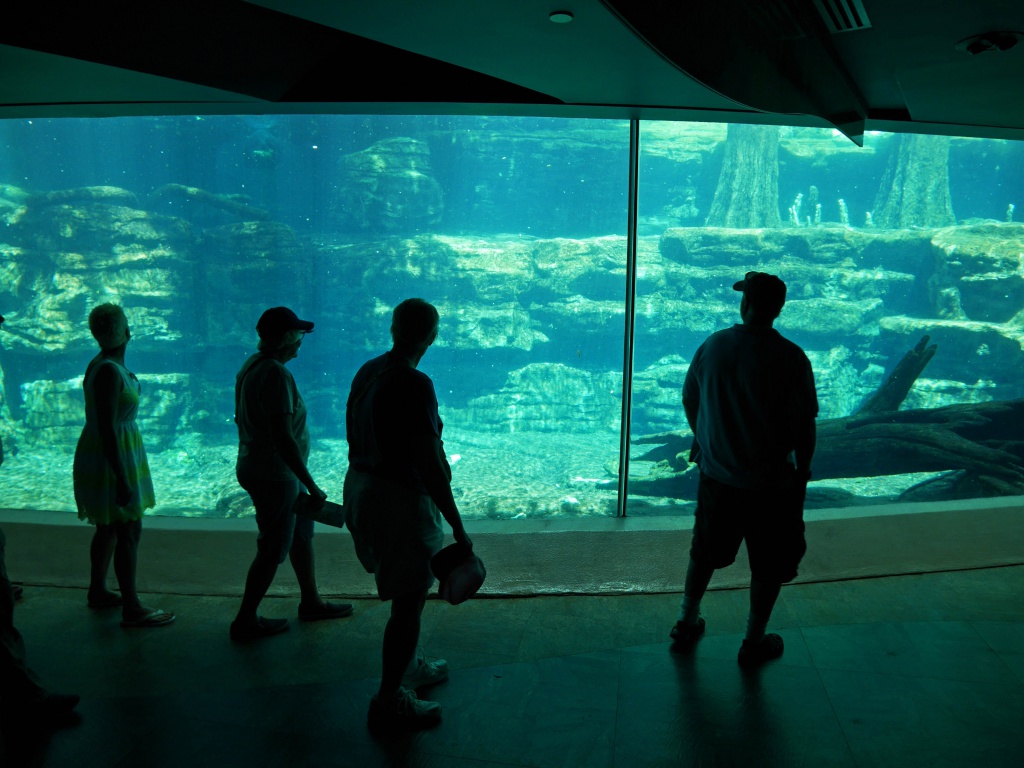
[113, 487]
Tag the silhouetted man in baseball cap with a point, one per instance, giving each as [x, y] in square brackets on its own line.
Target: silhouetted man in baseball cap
[750, 401]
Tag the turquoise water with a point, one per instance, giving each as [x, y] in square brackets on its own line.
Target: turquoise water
[516, 230]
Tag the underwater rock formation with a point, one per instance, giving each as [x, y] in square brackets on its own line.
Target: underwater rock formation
[8, 426]
[657, 394]
[842, 380]
[831, 290]
[499, 327]
[487, 276]
[54, 411]
[938, 393]
[64, 257]
[970, 347]
[831, 318]
[512, 291]
[551, 397]
[980, 269]
[390, 188]
[242, 269]
[674, 158]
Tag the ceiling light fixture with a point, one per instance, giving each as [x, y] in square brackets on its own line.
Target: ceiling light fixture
[561, 17]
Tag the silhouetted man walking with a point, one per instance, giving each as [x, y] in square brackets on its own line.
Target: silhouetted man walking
[397, 490]
[750, 401]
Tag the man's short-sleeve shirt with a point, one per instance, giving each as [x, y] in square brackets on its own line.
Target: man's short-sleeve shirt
[391, 407]
[265, 388]
[752, 390]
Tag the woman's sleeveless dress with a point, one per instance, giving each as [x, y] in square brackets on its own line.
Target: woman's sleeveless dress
[95, 485]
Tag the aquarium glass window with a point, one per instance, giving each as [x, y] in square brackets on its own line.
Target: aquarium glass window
[514, 228]
[904, 262]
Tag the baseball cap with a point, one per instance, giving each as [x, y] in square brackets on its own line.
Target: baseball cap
[763, 290]
[459, 571]
[278, 320]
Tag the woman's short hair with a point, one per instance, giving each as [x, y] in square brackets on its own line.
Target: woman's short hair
[274, 343]
[413, 322]
[107, 323]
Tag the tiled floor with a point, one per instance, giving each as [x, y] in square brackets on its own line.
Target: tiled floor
[901, 671]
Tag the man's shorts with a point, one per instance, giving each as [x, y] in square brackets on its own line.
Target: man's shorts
[275, 512]
[771, 522]
[395, 531]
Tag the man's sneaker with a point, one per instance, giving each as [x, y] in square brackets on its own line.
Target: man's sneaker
[684, 635]
[403, 713]
[425, 673]
[755, 654]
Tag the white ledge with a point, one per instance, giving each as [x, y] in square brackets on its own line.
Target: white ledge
[542, 556]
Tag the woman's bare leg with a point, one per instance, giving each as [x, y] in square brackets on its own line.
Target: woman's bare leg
[101, 551]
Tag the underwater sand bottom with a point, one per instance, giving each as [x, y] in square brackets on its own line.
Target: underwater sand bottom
[495, 477]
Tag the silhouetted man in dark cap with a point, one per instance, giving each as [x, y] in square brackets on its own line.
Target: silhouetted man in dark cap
[750, 401]
[273, 452]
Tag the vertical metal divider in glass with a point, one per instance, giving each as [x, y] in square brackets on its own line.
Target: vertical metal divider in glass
[627, 356]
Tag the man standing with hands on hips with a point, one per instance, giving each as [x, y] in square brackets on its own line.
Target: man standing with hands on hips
[750, 401]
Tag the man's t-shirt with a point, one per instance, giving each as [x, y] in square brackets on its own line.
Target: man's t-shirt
[264, 388]
[752, 389]
[391, 406]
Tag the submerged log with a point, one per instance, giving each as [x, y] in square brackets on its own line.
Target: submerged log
[976, 440]
[238, 205]
[890, 396]
[979, 444]
[100, 194]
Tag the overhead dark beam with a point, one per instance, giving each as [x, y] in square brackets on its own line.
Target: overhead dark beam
[248, 49]
[772, 56]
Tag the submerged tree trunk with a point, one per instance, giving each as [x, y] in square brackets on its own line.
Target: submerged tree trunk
[915, 189]
[892, 393]
[979, 445]
[748, 187]
[976, 444]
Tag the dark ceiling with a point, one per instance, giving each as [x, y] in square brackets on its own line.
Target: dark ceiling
[900, 65]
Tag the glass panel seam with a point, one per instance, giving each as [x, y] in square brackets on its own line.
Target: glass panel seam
[630, 321]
